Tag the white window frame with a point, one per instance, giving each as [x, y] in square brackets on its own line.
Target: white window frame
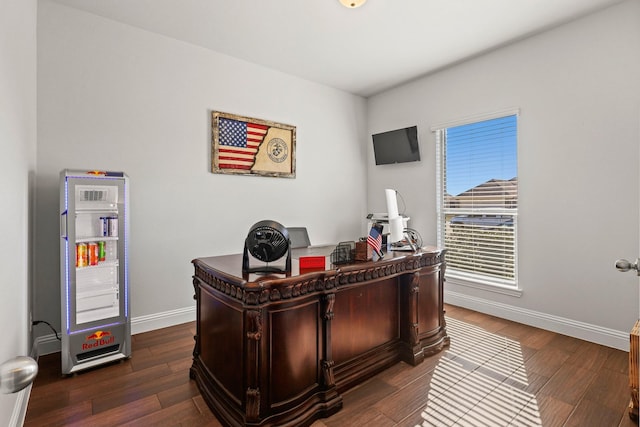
[458, 277]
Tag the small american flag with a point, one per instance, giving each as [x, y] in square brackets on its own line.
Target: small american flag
[375, 239]
[239, 142]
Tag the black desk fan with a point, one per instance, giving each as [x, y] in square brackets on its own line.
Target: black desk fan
[267, 241]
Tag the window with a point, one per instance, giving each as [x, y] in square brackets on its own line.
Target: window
[478, 200]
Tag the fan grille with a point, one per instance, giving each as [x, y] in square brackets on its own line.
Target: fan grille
[267, 241]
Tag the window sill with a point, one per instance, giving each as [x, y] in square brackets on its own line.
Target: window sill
[513, 291]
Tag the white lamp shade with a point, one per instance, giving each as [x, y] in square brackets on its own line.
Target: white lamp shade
[396, 229]
[392, 203]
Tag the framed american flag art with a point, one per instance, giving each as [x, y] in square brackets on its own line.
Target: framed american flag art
[248, 146]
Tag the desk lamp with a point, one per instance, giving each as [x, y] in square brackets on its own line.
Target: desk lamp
[396, 227]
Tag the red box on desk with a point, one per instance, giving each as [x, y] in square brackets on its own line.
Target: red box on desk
[312, 262]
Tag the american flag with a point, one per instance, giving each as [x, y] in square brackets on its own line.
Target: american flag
[238, 143]
[375, 239]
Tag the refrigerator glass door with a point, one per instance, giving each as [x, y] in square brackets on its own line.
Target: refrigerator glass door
[95, 243]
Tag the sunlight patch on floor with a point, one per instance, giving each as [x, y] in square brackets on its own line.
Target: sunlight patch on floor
[480, 381]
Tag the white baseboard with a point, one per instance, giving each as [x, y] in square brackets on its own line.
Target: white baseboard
[20, 408]
[48, 344]
[45, 344]
[585, 331]
[165, 319]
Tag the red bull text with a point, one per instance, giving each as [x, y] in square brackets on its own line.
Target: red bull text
[98, 339]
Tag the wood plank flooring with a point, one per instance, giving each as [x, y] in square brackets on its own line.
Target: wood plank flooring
[495, 373]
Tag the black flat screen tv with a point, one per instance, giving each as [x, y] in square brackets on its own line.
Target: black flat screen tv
[396, 146]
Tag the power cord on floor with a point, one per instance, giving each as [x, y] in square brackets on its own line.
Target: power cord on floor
[37, 322]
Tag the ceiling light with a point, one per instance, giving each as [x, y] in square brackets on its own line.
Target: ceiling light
[352, 4]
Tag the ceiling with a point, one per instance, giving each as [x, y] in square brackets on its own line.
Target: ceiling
[364, 50]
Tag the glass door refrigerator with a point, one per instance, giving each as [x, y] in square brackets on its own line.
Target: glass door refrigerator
[94, 230]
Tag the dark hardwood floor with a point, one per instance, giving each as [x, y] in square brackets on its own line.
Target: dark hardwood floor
[495, 373]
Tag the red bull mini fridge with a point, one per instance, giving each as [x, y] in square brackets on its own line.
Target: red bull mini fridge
[94, 290]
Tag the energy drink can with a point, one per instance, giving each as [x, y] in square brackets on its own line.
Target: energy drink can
[113, 226]
[92, 249]
[109, 226]
[81, 255]
[102, 251]
[104, 226]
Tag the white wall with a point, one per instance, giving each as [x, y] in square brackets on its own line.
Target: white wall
[578, 90]
[17, 168]
[113, 97]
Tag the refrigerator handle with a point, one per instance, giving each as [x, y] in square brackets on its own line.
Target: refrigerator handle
[63, 225]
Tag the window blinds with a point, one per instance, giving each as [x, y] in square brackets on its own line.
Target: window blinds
[478, 198]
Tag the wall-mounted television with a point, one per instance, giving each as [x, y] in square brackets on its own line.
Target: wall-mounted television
[396, 146]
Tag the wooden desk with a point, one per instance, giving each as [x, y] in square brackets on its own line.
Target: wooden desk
[280, 349]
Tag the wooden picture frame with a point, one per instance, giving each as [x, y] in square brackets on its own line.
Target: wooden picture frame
[248, 146]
